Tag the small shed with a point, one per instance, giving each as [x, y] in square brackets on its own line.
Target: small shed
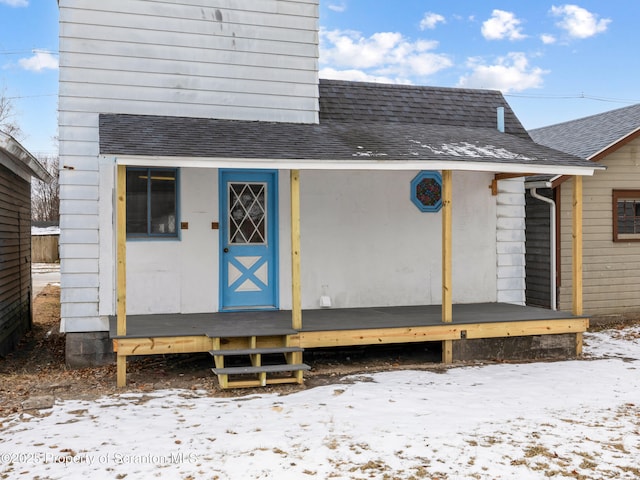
[17, 167]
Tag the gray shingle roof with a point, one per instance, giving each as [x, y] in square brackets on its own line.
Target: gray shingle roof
[373, 102]
[587, 136]
[358, 121]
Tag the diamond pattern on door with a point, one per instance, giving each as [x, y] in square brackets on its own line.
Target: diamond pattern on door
[247, 213]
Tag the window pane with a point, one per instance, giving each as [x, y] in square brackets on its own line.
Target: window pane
[136, 201]
[625, 226]
[628, 208]
[163, 201]
[247, 213]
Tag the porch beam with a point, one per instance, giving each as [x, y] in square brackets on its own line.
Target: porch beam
[121, 269]
[577, 245]
[296, 287]
[447, 302]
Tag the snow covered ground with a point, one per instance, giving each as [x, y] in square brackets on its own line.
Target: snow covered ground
[571, 419]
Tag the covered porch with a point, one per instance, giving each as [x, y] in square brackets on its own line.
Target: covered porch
[467, 154]
[291, 331]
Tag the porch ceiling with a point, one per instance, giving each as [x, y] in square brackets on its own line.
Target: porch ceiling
[335, 145]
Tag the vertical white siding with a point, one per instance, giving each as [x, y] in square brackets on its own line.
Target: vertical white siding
[246, 60]
[611, 270]
[510, 237]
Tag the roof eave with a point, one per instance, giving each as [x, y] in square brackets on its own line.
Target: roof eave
[355, 164]
[23, 158]
[609, 149]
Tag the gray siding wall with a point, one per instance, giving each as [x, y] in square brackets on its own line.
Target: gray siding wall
[15, 258]
[231, 59]
[538, 253]
[611, 270]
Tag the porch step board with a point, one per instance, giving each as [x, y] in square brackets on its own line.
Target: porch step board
[285, 367]
[254, 351]
[263, 368]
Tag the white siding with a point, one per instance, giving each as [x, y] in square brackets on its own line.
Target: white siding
[611, 270]
[247, 60]
[364, 243]
[196, 59]
[510, 235]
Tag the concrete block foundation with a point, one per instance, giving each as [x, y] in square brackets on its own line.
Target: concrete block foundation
[88, 349]
[535, 347]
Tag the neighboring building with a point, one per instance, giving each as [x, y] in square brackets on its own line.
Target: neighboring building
[611, 211]
[242, 183]
[17, 167]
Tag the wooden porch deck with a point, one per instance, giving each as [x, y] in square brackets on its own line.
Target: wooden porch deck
[256, 332]
[354, 326]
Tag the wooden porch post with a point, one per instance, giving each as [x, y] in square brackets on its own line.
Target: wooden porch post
[121, 273]
[577, 245]
[447, 305]
[296, 292]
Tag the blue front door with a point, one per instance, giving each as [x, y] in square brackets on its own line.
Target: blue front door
[248, 240]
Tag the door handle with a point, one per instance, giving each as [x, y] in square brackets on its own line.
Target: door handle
[226, 250]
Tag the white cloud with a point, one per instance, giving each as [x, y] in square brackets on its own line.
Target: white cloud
[39, 61]
[15, 3]
[431, 20]
[511, 73]
[547, 39]
[383, 54]
[337, 7]
[579, 22]
[502, 25]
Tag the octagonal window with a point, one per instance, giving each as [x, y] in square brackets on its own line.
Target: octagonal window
[426, 191]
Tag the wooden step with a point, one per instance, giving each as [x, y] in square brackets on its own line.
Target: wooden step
[260, 383]
[254, 351]
[285, 367]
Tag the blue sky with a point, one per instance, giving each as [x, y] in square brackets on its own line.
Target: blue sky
[555, 61]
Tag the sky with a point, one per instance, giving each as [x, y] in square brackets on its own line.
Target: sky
[562, 420]
[554, 61]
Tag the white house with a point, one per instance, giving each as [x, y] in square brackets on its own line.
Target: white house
[242, 183]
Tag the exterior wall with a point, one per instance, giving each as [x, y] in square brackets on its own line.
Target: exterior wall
[191, 58]
[360, 248]
[15, 258]
[179, 275]
[364, 243]
[510, 238]
[611, 270]
[538, 255]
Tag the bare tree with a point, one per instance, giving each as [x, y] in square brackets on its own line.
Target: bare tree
[8, 123]
[45, 197]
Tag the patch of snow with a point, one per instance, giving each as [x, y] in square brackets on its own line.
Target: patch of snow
[466, 149]
[369, 153]
[563, 420]
[45, 230]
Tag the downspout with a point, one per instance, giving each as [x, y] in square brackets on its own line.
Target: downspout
[552, 233]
